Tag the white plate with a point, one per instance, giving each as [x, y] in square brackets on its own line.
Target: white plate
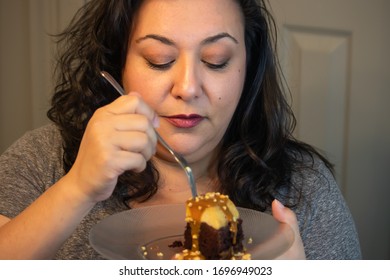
[146, 233]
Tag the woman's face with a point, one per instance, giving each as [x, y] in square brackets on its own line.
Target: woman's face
[187, 61]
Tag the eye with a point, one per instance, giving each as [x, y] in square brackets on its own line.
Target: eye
[216, 66]
[160, 66]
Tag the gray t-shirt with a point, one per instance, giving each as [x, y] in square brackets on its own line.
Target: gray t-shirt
[34, 163]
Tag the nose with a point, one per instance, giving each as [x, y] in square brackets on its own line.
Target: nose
[187, 82]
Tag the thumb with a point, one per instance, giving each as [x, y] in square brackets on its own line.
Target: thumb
[282, 214]
[285, 215]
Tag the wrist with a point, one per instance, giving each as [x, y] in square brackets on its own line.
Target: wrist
[73, 191]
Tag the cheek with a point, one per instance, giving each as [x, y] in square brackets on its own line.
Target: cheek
[149, 87]
[226, 105]
[231, 90]
[134, 74]
[128, 80]
[229, 97]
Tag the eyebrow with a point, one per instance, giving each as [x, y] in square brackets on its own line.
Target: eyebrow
[217, 37]
[162, 39]
[169, 42]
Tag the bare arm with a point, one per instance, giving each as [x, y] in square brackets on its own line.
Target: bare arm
[39, 231]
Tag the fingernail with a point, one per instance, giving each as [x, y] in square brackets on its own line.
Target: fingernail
[156, 121]
[279, 204]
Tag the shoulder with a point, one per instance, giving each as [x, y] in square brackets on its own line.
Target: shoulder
[37, 150]
[47, 133]
[325, 221]
[28, 167]
[313, 183]
[40, 139]
[313, 171]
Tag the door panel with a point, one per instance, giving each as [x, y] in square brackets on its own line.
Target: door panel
[335, 55]
[317, 70]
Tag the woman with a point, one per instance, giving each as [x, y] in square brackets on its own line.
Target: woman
[204, 74]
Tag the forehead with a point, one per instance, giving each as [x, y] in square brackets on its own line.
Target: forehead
[193, 19]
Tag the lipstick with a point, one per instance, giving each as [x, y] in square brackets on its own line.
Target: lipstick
[184, 121]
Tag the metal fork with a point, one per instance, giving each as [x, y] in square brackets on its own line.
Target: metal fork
[180, 160]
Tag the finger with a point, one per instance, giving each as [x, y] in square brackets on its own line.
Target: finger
[117, 132]
[131, 104]
[135, 142]
[127, 122]
[135, 133]
[134, 122]
[283, 214]
[130, 161]
[287, 216]
[155, 120]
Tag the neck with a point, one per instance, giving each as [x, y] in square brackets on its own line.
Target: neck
[174, 177]
[173, 184]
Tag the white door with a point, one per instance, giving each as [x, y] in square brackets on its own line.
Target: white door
[335, 55]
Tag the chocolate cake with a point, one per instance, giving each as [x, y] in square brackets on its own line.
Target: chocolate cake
[213, 230]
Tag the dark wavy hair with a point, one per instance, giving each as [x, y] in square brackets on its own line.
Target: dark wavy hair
[258, 153]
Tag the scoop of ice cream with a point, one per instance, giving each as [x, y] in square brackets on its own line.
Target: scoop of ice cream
[218, 217]
[214, 209]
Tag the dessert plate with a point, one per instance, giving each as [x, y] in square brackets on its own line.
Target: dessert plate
[152, 233]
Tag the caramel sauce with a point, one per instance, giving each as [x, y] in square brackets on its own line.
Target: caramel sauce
[196, 207]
